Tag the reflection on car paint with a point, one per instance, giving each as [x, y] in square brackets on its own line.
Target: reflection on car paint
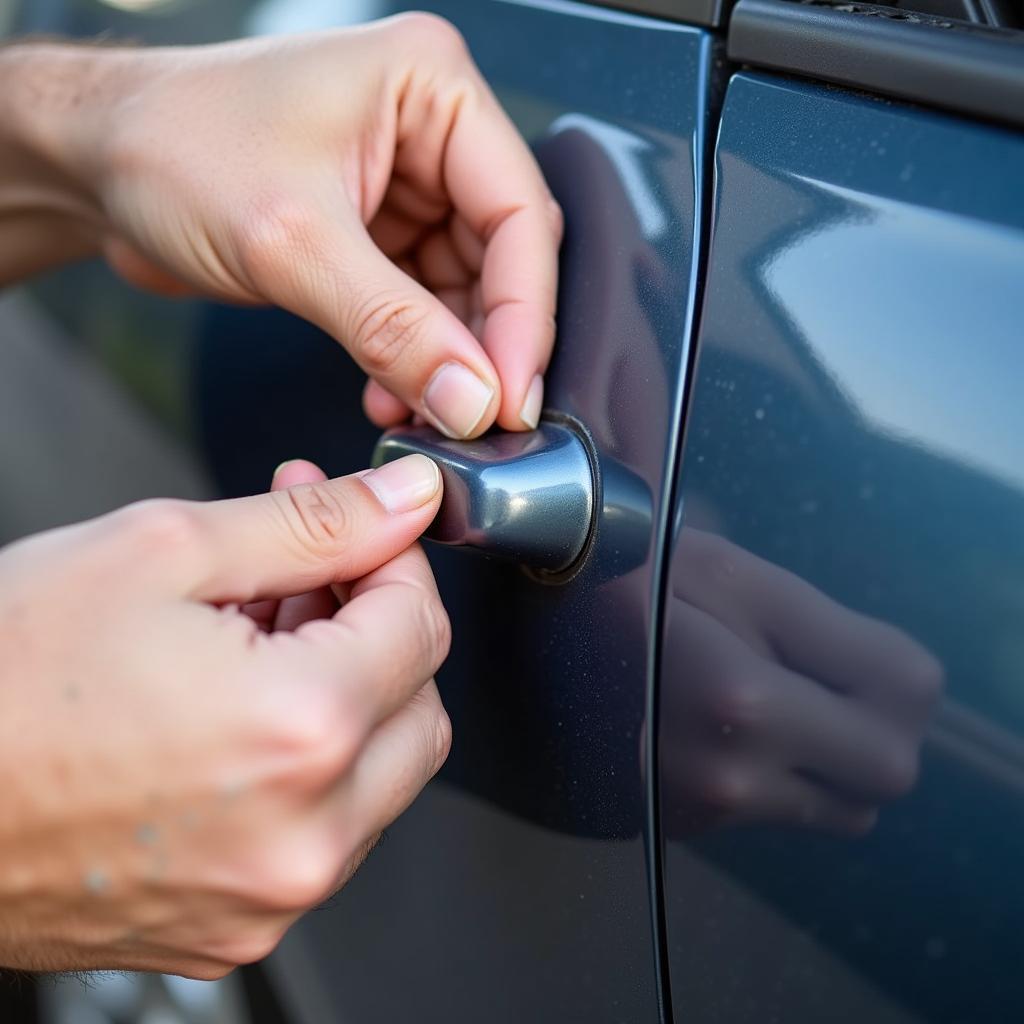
[848, 573]
[781, 705]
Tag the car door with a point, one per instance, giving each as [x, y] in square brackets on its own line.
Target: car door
[841, 701]
[519, 885]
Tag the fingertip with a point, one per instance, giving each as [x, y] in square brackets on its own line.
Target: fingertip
[292, 472]
[519, 339]
[462, 403]
[406, 485]
[528, 415]
[522, 404]
[383, 408]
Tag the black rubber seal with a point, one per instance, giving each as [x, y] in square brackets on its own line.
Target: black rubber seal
[952, 65]
[711, 13]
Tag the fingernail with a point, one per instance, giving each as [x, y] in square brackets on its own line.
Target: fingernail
[287, 462]
[530, 412]
[456, 400]
[405, 484]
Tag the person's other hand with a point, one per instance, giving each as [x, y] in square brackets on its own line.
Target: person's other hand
[366, 179]
[783, 707]
[184, 776]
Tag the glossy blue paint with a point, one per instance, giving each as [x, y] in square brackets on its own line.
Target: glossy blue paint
[518, 887]
[847, 575]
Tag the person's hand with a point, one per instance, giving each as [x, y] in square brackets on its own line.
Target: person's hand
[782, 706]
[183, 776]
[364, 179]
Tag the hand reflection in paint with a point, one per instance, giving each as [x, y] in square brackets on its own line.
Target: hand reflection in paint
[780, 705]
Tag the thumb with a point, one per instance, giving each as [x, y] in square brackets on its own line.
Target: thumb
[310, 535]
[403, 336]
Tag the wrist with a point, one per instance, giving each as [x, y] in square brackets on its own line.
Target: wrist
[54, 104]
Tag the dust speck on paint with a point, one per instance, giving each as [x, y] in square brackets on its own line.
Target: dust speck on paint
[72, 693]
[96, 881]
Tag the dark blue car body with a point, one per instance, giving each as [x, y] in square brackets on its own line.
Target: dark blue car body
[791, 323]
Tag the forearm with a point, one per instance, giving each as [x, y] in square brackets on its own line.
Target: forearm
[49, 97]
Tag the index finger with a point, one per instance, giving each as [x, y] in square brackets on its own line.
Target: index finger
[497, 188]
[388, 640]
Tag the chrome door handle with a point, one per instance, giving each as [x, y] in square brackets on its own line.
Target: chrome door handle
[528, 497]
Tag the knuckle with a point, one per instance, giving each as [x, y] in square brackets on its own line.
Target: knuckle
[844, 821]
[157, 526]
[321, 738]
[386, 331]
[555, 218]
[727, 788]
[358, 858]
[738, 702]
[319, 515]
[441, 744]
[859, 823]
[898, 769]
[301, 878]
[924, 678]
[432, 34]
[204, 970]
[426, 750]
[300, 889]
[250, 946]
[435, 631]
[713, 561]
[426, 755]
[275, 230]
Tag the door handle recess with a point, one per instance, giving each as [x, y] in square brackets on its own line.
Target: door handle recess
[528, 497]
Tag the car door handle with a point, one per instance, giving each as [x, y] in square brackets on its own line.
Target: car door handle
[528, 497]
